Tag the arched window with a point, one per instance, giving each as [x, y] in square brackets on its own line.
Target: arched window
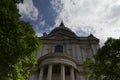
[58, 48]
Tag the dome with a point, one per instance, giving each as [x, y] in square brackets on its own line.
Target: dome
[62, 29]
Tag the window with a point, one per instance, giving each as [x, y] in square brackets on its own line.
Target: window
[58, 48]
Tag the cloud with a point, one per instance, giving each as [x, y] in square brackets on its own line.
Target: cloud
[115, 11]
[42, 23]
[56, 5]
[99, 17]
[28, 10]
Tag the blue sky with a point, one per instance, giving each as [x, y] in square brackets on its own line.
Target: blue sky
[99, 17]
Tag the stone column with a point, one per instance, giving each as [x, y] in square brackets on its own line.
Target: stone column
[49, 74]
[31, 77]
[62, 72]
[41, 73]
[77, 76]
[72, 73]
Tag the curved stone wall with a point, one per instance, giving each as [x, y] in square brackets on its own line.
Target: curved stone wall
[57, 59]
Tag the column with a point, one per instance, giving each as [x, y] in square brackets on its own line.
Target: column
[82, 77]
[31, 77]
[72, 73]
[49, 74]
[41, 73]
[77, 76]
[62, 72]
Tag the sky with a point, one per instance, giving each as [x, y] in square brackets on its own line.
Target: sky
[84, 17]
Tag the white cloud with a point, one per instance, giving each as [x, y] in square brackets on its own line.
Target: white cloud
[42, 23]
[100, 17]
[27, 9]
[56, 5]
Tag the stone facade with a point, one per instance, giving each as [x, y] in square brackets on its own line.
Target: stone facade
[62, 54]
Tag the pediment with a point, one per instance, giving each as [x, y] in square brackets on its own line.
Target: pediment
[60, 36]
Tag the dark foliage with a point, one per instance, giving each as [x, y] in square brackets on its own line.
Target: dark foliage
[18, 43]
[106, 63]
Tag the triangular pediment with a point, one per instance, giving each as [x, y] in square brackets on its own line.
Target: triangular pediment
[61, 36]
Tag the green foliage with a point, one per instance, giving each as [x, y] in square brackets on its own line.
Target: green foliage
[106, 63]
[18, 43]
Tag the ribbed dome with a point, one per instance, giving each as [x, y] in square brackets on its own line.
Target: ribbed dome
[62, 29]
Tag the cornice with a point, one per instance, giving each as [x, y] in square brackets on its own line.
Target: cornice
[58, 55]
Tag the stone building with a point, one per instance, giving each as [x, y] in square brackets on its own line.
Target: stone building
[62, 54]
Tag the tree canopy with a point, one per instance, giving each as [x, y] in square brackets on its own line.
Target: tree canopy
[106, 63]
[18, 43]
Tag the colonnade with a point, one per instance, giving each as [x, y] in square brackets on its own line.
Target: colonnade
[62, 72]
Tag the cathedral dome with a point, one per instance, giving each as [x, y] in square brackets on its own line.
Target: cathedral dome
[62, 29]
